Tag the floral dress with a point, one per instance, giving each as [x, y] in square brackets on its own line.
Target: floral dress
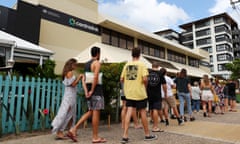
[219, 91]
[67, 108]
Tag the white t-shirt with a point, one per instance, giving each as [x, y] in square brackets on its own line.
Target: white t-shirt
[196, 92]
[169, 83]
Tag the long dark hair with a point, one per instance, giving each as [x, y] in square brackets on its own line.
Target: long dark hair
[183, 73]
[68, 66]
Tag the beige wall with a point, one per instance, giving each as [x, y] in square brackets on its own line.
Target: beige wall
[64, 41]
[84, 9]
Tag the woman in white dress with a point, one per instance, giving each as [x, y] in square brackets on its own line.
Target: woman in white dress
[67, 110]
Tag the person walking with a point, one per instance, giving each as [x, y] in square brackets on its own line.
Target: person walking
[124, 110]
[134, 76]
[95, 98]
[196, 97]
[184, 93]
[169, 100]
[219, 98]
[155, 82]
[232, 95]
[207, 95]
[67, 110]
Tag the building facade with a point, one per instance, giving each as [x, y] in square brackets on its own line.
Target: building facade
[219, 35]
[70, 27]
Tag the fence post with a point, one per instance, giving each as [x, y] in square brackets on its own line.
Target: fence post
[48, 97]
[5, 102]
[19, 102]
[24, 105]
[12, 103]
[37, 101]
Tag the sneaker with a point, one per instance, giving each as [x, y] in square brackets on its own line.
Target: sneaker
[192, 118]
[185, 118]
[204, 114]
[151, 137]
[124, 140]
[167, 122]
[173, 116]
[162, 121]
[180, 121]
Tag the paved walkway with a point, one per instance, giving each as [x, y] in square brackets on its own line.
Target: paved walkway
[219, 129]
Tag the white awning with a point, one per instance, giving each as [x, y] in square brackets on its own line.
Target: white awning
[192, 71]
[109, 54]
[7, 38]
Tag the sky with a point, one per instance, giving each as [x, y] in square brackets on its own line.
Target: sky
[155, 15]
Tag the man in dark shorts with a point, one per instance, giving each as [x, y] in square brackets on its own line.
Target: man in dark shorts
[155, 82]
[134, 77]
[95, 99]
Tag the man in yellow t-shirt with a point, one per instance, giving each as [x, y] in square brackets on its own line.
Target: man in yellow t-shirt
[134, 77]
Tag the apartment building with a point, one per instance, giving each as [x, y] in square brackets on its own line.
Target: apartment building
[70, 28]
[219, 35]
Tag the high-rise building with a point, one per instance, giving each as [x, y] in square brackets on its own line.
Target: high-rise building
[219, 35]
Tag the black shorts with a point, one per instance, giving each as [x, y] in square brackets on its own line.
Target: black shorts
[141, 104]
[123, 98]
[155, 105]
[232, 97]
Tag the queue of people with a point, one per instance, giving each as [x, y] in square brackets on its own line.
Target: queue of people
[141, 87]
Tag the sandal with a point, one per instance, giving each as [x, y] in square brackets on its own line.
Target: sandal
[71, 136]
[61, 138]
[99, 140]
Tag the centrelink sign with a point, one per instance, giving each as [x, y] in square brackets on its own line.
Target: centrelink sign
[68, 20]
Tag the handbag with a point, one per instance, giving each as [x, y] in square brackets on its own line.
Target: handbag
[90, 75]
[215, 98]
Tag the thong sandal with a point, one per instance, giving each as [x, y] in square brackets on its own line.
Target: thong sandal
[71, 136]
[99, 140]
[61, 138]
[158, 130]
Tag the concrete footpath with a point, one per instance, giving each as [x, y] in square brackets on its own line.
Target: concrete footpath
[219, 129]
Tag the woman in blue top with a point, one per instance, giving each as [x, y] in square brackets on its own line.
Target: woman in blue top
[184, 93]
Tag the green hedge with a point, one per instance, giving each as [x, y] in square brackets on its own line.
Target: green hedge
[238, 98]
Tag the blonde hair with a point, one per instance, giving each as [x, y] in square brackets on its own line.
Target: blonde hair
[206, 79]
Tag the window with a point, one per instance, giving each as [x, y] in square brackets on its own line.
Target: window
[187, 38]
[203, 32]
[176, 57]
[223, 47]
[204, 41]
[122, 42]
[203, 24]
[224, 57]
[223, 37]
[211, 68]
[151, 49]
[208, 49]
[114, 39]
[193, 62]
[219, 20]
[130, 43]
[106, 36]
[221, 28]
[211, 58]
[117, 39]
[221, 67]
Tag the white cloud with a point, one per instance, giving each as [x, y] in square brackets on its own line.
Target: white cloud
[150, 15]
[220, 6]
[225, 6]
